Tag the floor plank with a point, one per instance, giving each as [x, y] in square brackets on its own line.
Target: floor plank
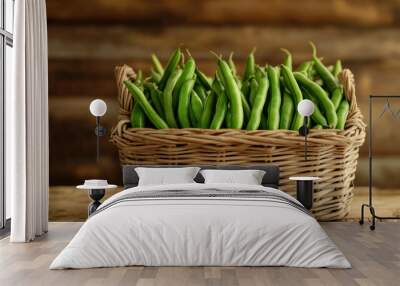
[375, 257]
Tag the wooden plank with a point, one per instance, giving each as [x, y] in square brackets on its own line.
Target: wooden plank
[365, 13]
[125, 42]
[374, 257]
[70, 204]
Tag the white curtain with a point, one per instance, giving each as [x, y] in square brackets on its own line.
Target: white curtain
[27, 124]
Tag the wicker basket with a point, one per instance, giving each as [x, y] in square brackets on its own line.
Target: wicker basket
[332, 155]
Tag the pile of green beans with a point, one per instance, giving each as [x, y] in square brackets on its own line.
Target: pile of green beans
[180, 95]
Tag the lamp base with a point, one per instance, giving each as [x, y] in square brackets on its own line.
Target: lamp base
[96, 195]
[304, 193]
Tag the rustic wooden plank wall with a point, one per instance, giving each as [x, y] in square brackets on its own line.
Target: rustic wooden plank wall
[87, 39]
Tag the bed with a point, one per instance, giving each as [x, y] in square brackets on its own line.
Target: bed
[199, 224]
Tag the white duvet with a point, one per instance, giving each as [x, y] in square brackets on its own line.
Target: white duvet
[200, 231]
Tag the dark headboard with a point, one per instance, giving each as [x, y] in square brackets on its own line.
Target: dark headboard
[271, 177]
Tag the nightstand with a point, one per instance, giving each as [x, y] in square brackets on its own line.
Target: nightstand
[96, 190]
[305, 190]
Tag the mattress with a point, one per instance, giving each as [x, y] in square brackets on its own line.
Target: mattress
[201, 225]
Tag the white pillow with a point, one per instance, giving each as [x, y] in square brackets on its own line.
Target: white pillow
[247, 177]
[165, 176]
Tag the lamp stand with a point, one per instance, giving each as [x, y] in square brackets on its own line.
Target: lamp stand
[99, 131]
[303, 131]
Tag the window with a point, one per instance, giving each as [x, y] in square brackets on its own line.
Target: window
[6, 65]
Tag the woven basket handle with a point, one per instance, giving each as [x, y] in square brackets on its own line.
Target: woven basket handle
[125, 100]
[346, 78]
[355, 125]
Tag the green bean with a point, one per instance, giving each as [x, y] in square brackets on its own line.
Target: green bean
[219, 77]
[139, 79]
[264, 120]
[275, 100]
[308, 123]
[246, 109]
[287, 110]
[187, 73]
[233, 93]
[342, 113]
[326, 76]
[259, 102]
[228, 118]
[288, 61]
[317, 115]
[337, 68]
[155, 76]
[291, 83]
[337, 96]
[184, 103]
[284, 88]
[138, 95]
[208, 110]
[253, 90]
[312, 73]
[157, 64]
[250, 67]
[295, 91]
[245, 88]
[317, 126]
[168, 100]
[196, 106]
[137, 116]
[156, 98]
[171, 66]
[297, 122]
[193, 120]
[203, 79]
[322, 97]
[232, 65]
[304, 67]
[318, 81]
[260, 73]
[220, 111]
[218, 84]
[148, 79]
[238, 83]
[219, 90]
[200, 90]
[182, 63]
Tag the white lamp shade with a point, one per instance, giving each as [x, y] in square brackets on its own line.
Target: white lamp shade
[305, 107]
[98, 107]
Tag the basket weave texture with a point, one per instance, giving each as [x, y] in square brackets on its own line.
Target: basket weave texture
[332, 154]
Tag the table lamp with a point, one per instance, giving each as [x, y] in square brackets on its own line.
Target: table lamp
[98, 108]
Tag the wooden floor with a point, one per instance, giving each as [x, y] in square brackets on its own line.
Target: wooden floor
[66, 203]
[375, 257]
